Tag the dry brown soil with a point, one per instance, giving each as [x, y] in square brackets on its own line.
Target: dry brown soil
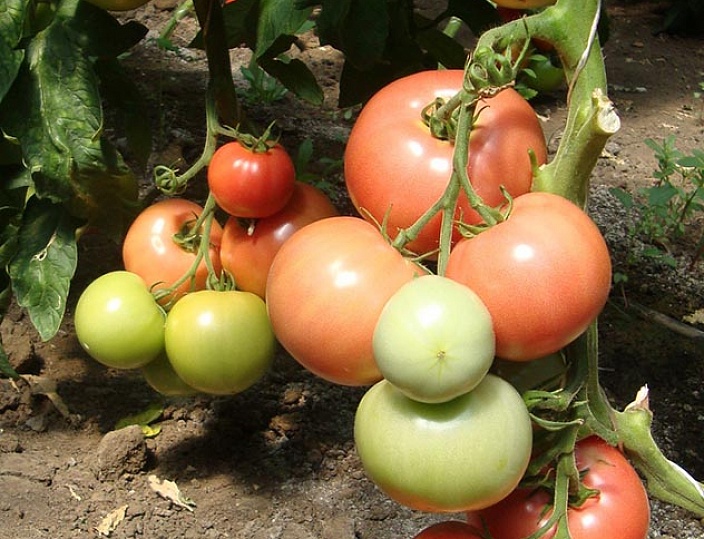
[278, 461]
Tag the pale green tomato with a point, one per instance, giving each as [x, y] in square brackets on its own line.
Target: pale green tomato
[220, 342]
[434, 339]
[162, 377]
[118, 322]
[464, 454]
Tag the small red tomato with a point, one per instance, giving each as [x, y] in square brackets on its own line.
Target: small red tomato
[247, 254]
[251, 183]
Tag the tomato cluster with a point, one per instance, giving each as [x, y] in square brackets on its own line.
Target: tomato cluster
[168, 313]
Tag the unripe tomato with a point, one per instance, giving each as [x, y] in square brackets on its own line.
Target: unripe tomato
[118, 322]
[523, 4]
[251, 183]
[162, 377]
[248, 255]
[149, 249]
[469, 452]
[219, 342]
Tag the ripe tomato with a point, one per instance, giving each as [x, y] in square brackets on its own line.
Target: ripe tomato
[393, 165]
[326, 288]
[434, 339]
[251, 183]
[620, 509]
[450, 529]
[464, 454]
[162, 377]
[118, 322]
[219, 342]
[544, 274]
[150, 251]
[248, 256]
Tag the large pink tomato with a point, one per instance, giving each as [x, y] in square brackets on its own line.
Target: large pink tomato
[395, 168]
[326, 288]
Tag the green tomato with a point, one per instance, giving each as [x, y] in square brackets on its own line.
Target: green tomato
[118, 322]
[434, 339]
[542, 75]
[464, 454]
[162, 377]
[220, 342]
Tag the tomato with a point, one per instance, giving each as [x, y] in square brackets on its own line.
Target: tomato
[434, 339]
[544, 75]
[620, 509]
[450, 529]
[326, 288]
[162, 377]
[118, 5]
[118, 322]
[251, 183]
[544, 274]
[464, 454]
[219, 342]
[248, 256]
[150, 251]
[394, 166]
[523, 4]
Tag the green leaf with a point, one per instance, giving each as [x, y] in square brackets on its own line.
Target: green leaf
[660, 195]
[44, 264]
[623, 196]
[240, 24]
[12, 16]
[119, 89]
[295, 75]
[5, 296]
[444, 50]
[144, 420]
[278, 18]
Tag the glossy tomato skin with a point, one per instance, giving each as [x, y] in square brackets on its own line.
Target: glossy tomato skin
[464, 454]
[620, 509]
[250, 183]
[248, 257]
[118, 322]
[393, 165]
[325, 290]
[150, 251]
[434, 339]
[162, 378]
[219, 343]
[450, 529]
[544, 274]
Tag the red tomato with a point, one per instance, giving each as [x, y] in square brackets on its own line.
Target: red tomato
[248, 256]
[250, 183]
[544, 274]
[620, 509]
[450, 529]
[393, 165]
[326, 288]
[150, 251]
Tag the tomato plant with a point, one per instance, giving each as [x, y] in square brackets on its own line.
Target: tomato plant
[450, 529]
[325, 290]
[251, 182]
[161, 247]
[395, 169]
[219, 342]
[434, 339]
[618, 508]
[467, 453]
[523, 4]
[247, 252]
[118, 322]
[544, 274]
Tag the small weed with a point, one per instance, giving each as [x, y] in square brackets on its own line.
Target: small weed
[317, 172]
[263, 88]
[665, 208]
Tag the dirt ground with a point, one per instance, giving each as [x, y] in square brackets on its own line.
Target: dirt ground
[278, 461]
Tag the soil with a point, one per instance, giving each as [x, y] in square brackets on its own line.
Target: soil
[278, 461]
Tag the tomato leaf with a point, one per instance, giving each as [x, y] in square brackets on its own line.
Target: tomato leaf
[42, 268]
[240, 24]
[295, 75]
[442, 48]
[277, 18]
[12, 15]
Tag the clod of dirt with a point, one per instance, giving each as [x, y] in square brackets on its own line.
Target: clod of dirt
[121, 452]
